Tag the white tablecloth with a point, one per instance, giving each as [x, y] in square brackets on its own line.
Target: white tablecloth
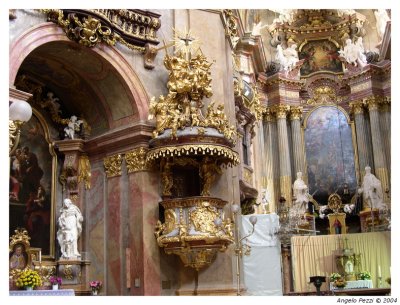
[355, 284]
[30, 293]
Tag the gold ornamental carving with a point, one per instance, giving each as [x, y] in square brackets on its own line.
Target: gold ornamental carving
[373, 102]
[209, 169]
[189, 82]
[323, 95]
[68, 272]
[84, 171]
[20, 237]
[166, 176]
[113, 165]
[269, 115]
[296, 113]
[357, 107]
[203, 218]
[170, 221]
[231, 27]
[334, 202]
[136, 160]
[131, 28]
[281, 111]
[14, 131]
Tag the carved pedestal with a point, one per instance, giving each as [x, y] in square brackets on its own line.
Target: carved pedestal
[75, 275]
[369, 220]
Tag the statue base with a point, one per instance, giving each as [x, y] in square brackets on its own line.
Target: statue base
[74, 274]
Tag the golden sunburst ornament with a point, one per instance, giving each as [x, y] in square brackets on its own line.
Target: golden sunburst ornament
[185, 42]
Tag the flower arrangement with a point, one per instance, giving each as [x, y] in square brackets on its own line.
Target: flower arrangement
[364, 275]
[334, 276]
[340, 282]
[95, 286]
[55, 280]
[29, 278]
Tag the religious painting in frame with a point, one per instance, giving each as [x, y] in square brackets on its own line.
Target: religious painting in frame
[329, 152]
[320, 56]
[32, 185]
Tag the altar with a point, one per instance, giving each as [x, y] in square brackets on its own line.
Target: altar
[31, 293]
[360, 284]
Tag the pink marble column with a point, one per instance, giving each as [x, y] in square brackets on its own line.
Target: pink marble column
[145, 253]
[113, 236]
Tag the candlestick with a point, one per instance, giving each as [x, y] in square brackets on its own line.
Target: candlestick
[379, 271]
[40, 256]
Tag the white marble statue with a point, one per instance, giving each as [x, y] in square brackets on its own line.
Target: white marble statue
[300, 192]
[69, 230]
[285, 15]
[381, 19]
[345, 12]
[73, 125]
[256, 31]
[371, 189]
[287, 57]
[353, 53]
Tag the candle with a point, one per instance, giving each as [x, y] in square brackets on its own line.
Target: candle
[379, 271]
[40, 256]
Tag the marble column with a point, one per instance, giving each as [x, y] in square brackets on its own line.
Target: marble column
[377, 144]
[285, 175]
[270, 138]
[364, 151]
[385, 117]
[298, 149]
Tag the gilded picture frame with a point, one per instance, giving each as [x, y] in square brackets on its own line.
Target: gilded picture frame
[33, 185]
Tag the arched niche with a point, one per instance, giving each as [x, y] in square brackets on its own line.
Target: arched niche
[329, 148]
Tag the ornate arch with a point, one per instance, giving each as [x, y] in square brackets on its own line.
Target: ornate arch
[49, 32]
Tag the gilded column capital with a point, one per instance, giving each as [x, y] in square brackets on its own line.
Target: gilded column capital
[372, 102]
[385, 104]
[113, 165]
[281, 111]
[296, 112]
[136, 160]
[268, 115]
[357, 107]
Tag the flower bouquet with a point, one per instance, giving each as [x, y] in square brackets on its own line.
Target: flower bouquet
[55, 282]
[29, 279]
[95, 286]
[340, 283]
[364, 275]
[334, 276]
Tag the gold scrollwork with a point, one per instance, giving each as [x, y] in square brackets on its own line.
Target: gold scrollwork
[88, 31]
[231, 27]
[20, 237]
[136, 160]
[334, 202]
[113, 165]
[14, 129]
[203, 218]
[84, 173]
[68, 272]
[323, 95]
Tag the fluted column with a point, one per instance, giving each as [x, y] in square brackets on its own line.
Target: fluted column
[364, 151]
[298, 149]
[377, 144]
[270, 144]
[284, 157]
[385, 131]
